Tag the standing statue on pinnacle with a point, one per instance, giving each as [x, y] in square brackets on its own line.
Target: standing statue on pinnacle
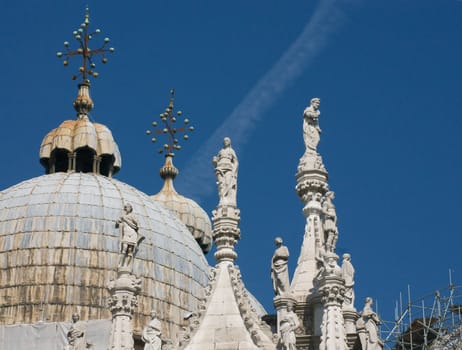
[279, 270]
[311, 129]
[330, 221]
[130, 238]
[367, 326]
[226, 165]
[348, 273]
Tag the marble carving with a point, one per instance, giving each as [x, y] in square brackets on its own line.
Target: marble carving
[151, 334]
[288, 324]
[311, 129]
[226, 166]
[279, 270]
[76, 336]
[367, 326]
[130, 238]
[348, 273]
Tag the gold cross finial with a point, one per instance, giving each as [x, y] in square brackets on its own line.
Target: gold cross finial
[83, 36]
[168, 127]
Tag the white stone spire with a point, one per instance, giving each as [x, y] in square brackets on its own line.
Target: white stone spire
[227, 319]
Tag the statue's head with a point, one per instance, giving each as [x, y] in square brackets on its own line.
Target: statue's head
[153, 314]
[278, 241]
[128, 208]
[226, 142]
[346, 256]
[368, 301]
[315, 102]
[330, 194]
[75, 317]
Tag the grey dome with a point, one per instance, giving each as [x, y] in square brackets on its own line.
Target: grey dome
[59, 247]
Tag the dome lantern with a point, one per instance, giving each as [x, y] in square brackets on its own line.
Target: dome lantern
[81, 145]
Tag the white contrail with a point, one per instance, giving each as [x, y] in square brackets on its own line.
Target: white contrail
[196, 180]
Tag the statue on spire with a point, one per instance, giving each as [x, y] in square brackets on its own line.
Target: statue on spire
[226, 165]
[311, 129]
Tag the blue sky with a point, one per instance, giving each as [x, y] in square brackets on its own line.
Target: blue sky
[389, 77]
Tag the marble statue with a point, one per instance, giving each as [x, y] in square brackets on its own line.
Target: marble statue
[226, 165]
[367, 324]
[130, 238]
[330, 221]
[287, 326]
[311, 129]
[151, 334]
[279, 269]
[348, 273]
[76, 334]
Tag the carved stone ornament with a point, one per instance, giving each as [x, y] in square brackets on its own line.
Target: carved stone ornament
[76, 336]
[311, 129]
[151, 335]
[130, 238]
[279, 268]
[287, 327]
[226, 166]
[367, 325]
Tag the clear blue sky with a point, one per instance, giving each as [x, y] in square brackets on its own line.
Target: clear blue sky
[388, 72]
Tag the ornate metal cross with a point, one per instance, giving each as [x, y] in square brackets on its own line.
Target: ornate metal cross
[168, 127]
[83, 37]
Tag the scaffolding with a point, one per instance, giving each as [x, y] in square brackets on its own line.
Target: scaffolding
[432, 322]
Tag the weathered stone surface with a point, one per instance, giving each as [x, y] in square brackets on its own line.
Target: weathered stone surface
[59, 246]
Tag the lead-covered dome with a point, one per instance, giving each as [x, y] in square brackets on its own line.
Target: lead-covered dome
[59, 248]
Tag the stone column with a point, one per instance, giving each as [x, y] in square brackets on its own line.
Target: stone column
[226, 232]
[332, 291]
[122, 302]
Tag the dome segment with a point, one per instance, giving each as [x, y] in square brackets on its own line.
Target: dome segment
[60, 247]
[80, 145]
[190, 213]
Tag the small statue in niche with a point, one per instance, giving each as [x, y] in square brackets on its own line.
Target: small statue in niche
[287, 326]
[330, 221]
[311, 129]
[279, 269]
[348, 272]
[367, 326]
[76, 336]
[130, 238]
[226, 166]
[151, 335]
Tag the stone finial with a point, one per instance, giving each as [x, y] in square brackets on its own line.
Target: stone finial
[130, 238]
[279, 268]
[226, 216]
[226, 166]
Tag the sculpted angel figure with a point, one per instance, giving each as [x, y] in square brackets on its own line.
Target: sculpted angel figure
[279, 269]
[130, 238]
[348, 273]
[311, 129]
[76, 334]
[226, 165]
[151, 333]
